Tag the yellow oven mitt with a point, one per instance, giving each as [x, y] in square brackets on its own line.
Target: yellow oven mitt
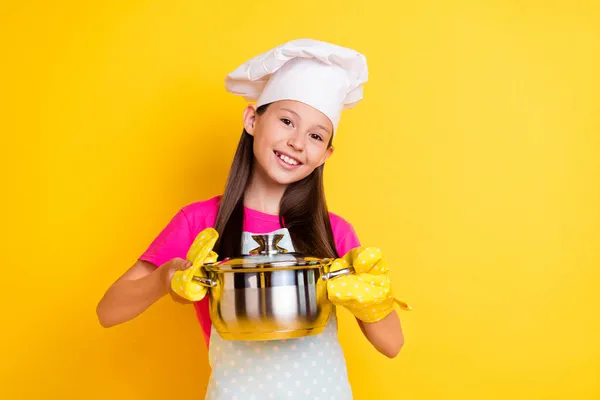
[366, 293]
[200, 252]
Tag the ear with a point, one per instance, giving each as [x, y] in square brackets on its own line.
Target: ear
[327, 154]
[250, 116]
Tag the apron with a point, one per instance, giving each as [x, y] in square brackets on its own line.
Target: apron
[306, 368]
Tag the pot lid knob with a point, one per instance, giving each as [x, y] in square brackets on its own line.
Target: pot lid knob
[267, 244]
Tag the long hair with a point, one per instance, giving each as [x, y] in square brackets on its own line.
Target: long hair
[302, 209]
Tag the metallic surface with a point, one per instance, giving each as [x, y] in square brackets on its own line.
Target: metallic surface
[270, 294]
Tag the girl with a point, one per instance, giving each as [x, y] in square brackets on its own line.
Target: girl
[275, 185]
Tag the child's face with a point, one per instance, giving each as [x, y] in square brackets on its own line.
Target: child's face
[291, 139]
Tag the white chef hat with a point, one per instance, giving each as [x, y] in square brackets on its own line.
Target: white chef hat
[325, 76]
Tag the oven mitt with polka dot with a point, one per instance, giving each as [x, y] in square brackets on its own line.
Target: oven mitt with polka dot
[366, 293]
[200, 252]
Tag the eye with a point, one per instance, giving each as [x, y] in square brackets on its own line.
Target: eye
[286, 121]
[316, 136]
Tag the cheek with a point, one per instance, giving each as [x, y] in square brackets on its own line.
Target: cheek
[269, 132]
[261, 142]
[261, 152]
[315, 153]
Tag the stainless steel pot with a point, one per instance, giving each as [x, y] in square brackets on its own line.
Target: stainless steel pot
[269, 294]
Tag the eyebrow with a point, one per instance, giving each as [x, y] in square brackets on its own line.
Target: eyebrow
[298, 115]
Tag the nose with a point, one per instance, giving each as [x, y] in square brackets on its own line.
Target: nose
[296, 142]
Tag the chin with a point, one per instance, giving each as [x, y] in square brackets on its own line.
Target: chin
[286, 179]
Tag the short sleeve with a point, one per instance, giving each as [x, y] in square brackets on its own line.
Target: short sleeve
[344, 235]
[173, 241]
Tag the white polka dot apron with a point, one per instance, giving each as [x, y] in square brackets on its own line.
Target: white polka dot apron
[307, 368]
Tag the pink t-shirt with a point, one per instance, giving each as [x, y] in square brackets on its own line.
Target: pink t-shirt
[177, 237]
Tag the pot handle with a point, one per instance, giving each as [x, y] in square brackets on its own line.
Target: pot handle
[206, 282]
[334, 274]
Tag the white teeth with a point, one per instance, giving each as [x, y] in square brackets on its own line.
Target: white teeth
[287, 159]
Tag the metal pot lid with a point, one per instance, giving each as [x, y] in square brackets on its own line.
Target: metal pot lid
[268, 255]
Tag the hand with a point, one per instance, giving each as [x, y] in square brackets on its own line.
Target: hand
[200, 252]
[168, 270]
[367, 293]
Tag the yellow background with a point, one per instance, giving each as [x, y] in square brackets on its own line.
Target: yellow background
[477, 147]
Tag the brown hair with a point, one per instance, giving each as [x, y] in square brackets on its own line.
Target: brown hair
[302, 210]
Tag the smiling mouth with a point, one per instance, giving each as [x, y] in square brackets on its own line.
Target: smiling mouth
[286, 159]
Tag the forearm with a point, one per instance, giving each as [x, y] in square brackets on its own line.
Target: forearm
[385, 335]
[128, 298]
